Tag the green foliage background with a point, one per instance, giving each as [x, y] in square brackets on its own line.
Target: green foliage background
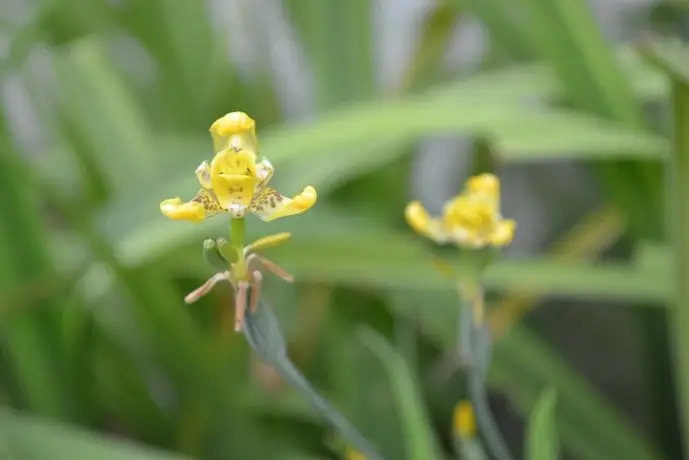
[95, 340]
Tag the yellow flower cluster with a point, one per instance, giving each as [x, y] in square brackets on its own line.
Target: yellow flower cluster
[236, 180]
[472, 219]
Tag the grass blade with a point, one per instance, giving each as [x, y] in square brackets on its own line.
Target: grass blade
[542, 442]
[32, 438]
[674, 59]
[419, 438]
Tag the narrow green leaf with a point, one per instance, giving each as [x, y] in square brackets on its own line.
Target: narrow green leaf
[673, 59]
[98, 105]
[542, 442]
[419, 438]
[321, 251]
[30, 337]
[431, 47]
[31, 438]
[499, 19]
[587, 423]
[338, 42]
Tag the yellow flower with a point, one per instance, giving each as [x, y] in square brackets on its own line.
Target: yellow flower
[471, 219]
[235, 181]
[464, 420]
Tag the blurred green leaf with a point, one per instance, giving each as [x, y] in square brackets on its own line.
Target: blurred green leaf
[436, 34]
[332, 247]
[338, 41]
[588, 425]
[500, 19]
[31, 438]
[419, 438]
[542, 442]
[672, 58]
[101, 109]
[30, 338]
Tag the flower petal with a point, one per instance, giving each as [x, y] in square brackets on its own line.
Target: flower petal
[264, 172]
[235, 129]
[203, 173]
[503, 233]
[421, 222]
[269, 204]
[174, 208]
[203, 205]
[486, 184]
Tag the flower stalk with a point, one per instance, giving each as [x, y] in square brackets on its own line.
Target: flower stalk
[472, 300]
[473, 223]
[237, 234]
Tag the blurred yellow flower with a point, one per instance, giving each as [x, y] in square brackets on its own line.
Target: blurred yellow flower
[464, 420]
[235, 181]
[471, 219]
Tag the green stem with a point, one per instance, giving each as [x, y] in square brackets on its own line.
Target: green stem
[679, 200]
[471, 300]
[237, 233]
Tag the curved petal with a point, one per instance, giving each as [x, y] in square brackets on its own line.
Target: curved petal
[174, 208]
[422, 223]
[203, 205]
[269, 204]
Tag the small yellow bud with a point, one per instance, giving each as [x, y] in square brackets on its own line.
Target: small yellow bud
[464, 420]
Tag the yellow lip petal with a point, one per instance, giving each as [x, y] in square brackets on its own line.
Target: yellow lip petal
[233, 179]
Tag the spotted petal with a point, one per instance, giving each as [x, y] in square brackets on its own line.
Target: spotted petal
[203, 205]
[269, 204]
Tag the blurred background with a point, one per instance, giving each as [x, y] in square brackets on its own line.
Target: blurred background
[106, 108]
